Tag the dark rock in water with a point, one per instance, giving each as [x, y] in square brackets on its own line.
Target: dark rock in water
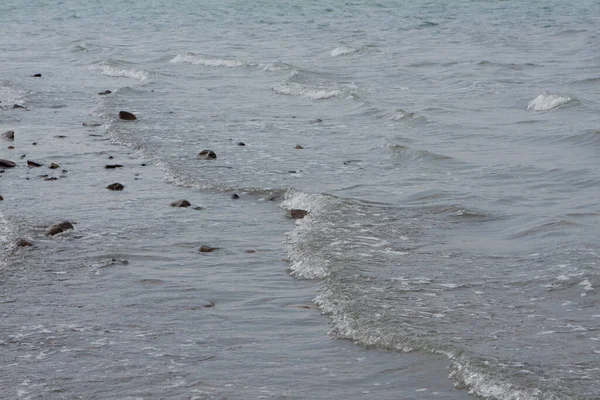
[292, 172]
[6, 164]
[298, 214]
[58, 228]
[110, 157]
[241, 143]
[36, 75]
[115, 186]
[144, 164]
[198, 208]
[51, 179]
[235, 196]
[1, 198]
[22, 242]
[64, 171]
[316, 121]
[60, 136]
[54, 166]
[43, 176]
[11, 147]
[34, 143]
[17, 106]
[8, 135]
[113, 166]
[250, 251]
[127, 116]
[180, 203]
[207, 249]
[24, 155]
[105, 93]
[207, 155]
[298, 147]
[33, 164]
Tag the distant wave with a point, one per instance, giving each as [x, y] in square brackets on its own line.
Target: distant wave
[400, 114]
[296, 89]
[208, 62]
[342, 51]
[545, 102]
[111, 68]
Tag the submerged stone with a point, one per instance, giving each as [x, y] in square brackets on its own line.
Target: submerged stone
[8, 135]
[58, 228]
[127, 116]
[115, 186]
[180, 203]
[7, 164]
[207, 155]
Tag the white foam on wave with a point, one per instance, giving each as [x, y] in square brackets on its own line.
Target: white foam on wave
[342, 51]
[122, 72]
[295, 89]
[545, 102]
[305, 263]
[208, 62]
[5, 231]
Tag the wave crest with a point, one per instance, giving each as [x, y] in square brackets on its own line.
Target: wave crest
[118, 71]
[545, 102]
[207, 62]
[342, 51]
[296, 89]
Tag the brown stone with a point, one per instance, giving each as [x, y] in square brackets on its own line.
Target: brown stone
[22, 242]
[11, 147]
[180, 203]
[1, 198]
[105, 93]
[54, 166]
[7, 164]
[207, 155]
[298, 214]
[8, 135]
[298, 147]
[33, 164]
[58, 228]
[113, 166]
[115, 186]
[127, 116]
[207, 249]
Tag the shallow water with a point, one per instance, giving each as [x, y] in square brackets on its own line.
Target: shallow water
[448, 163]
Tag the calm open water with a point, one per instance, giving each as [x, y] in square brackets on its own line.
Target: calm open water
[449, 163]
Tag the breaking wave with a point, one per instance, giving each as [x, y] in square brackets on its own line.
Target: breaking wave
[207, 62]
[545, 102]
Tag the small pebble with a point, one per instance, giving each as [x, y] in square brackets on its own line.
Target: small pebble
[115, 186]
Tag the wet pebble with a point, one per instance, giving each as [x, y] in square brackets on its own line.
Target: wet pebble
[207, 155]
[207, 249]
[115, 186]
[127, 116]
[7, 164]
[180, 203]
[33, 164]
[8, 135]
[58, 228]
[297, 214]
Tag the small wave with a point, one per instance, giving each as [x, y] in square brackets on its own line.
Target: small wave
[110, 69]
[342, 51]
[207, 62]
[400, 115]
[296, 89]
[545, 102]
[305, 263]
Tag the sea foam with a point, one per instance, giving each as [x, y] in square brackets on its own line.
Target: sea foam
[545, 102]
[207, 62]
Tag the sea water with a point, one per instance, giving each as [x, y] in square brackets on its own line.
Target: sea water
[446, 153]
